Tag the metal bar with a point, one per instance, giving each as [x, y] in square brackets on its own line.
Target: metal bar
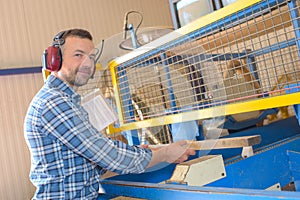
[126, 97]
[15, 71]
[132, 136]
[274, 47]
[168, 191]
[222, 110]
[116, 92]
[169, 81]
[296, 21]
[252, 66]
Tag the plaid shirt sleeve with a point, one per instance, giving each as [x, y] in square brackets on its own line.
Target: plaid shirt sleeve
[68, 122]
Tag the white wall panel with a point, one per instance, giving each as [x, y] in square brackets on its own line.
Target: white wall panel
[28, 26]
[18, 91]
[13, 34]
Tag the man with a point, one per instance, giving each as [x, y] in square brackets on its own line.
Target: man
[68, 154]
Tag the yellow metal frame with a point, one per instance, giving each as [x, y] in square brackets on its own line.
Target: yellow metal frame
[45, 74]
[228, 109]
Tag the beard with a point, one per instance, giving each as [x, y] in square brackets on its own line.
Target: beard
[79, 77]
[80, 81]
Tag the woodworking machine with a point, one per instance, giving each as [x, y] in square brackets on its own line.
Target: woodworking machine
[228, 83]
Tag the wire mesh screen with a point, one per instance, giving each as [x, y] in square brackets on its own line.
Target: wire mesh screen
[250, 54]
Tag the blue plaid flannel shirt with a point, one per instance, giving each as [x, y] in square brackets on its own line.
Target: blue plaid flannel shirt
[68, 155]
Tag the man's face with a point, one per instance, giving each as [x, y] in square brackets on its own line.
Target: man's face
[78, 61]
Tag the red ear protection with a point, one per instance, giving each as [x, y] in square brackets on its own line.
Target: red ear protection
[52, 56]
[52, 59]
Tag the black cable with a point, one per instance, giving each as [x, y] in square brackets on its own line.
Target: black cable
[100, 52]
[138, 26]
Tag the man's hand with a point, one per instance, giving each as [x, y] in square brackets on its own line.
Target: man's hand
[176, 152]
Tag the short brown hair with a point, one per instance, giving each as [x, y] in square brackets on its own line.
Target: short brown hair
[78, 33]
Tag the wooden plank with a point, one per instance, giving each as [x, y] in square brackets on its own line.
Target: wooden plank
[223, 143]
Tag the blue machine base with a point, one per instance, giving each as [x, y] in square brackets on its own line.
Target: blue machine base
[245, 177]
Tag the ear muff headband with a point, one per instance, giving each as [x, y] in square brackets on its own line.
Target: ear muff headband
[52, 56]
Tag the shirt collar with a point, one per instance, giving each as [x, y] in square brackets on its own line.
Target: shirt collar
[54, 82]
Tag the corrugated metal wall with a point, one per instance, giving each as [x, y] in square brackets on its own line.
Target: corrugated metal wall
[26, 29]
